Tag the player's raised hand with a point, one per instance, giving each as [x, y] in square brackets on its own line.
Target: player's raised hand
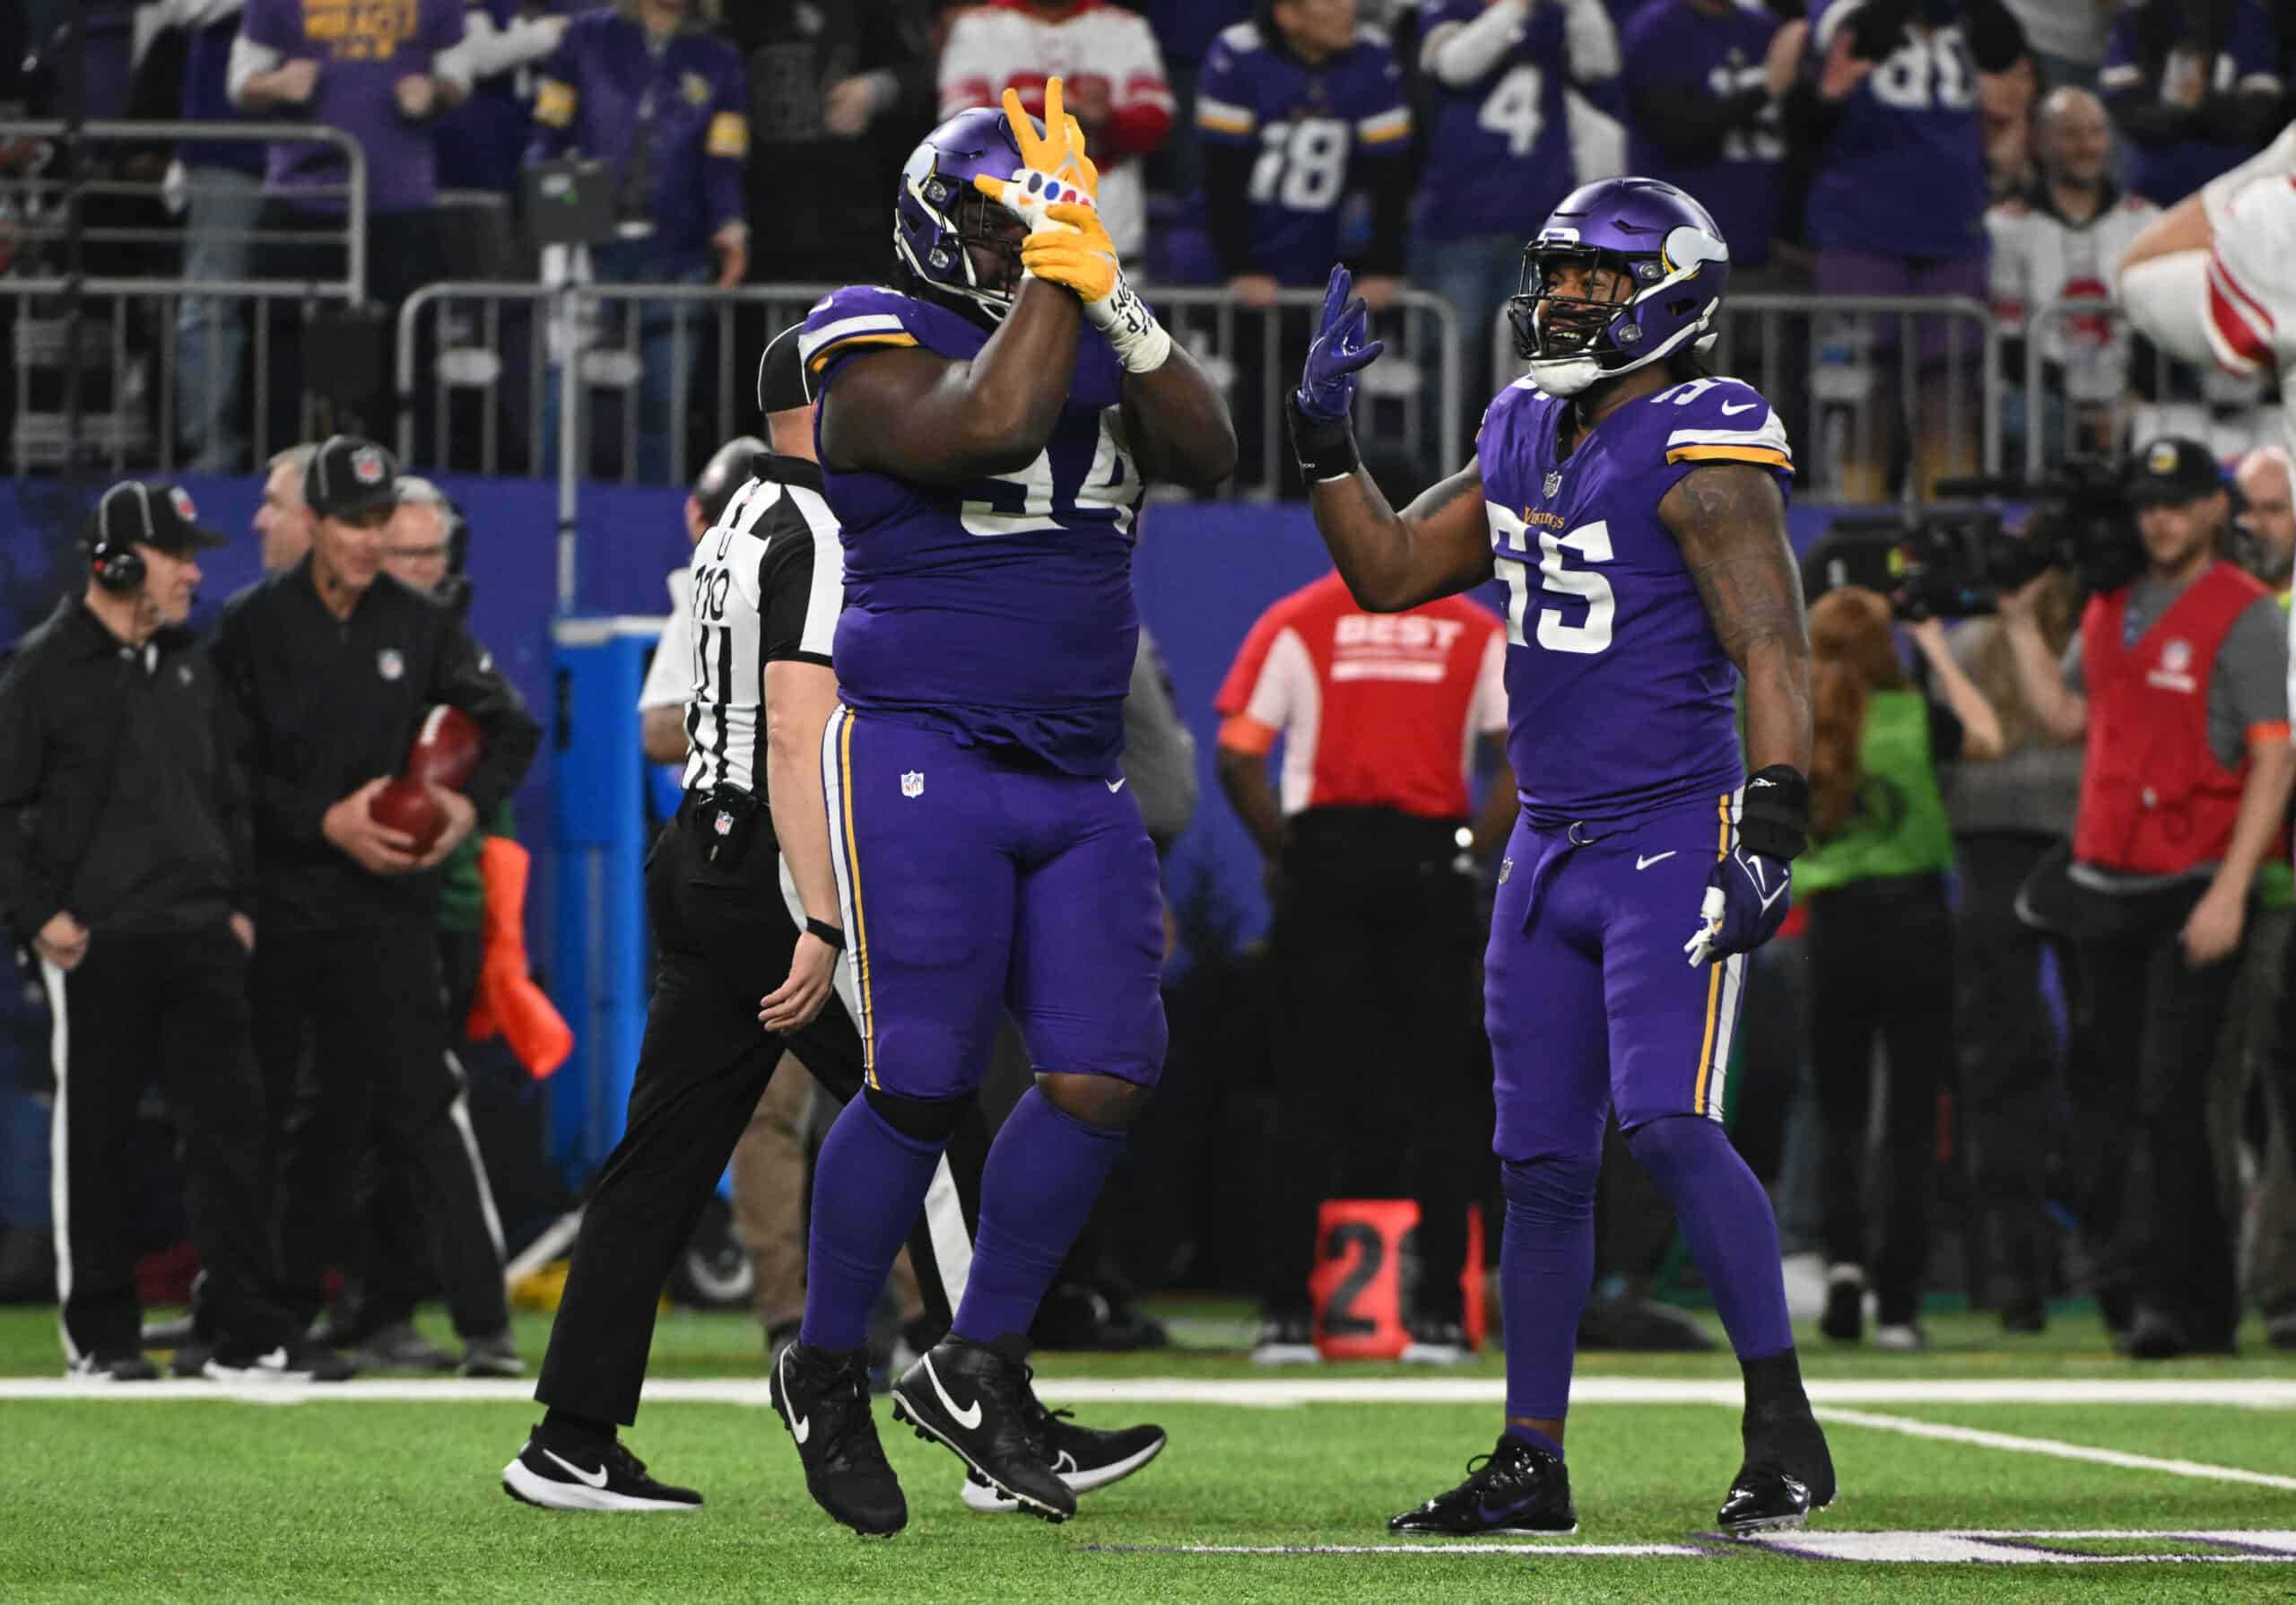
[1055, 160]
[1747, 899]
[1339, 352]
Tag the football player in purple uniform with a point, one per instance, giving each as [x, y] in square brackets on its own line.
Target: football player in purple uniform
[1635, 509]
[986, 424]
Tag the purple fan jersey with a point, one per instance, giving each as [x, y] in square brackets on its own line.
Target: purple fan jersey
[1313, 127]
[1505, 141]
[999, 609]
[1673, 42]
[1903, 172]
[1620, 699]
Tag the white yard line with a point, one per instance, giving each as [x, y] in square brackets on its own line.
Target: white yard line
[1486, 1546]
[2055, 1448]
[1276, 1391]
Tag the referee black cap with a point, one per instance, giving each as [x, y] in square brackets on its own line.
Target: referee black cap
[2172, 471]
[350, 476]
[724, 473]
[781, 383]
[152, 514]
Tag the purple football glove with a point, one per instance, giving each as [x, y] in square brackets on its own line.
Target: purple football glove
[1747, 898]
[1339, 352]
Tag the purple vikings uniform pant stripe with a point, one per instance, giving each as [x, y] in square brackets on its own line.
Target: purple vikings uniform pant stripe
[991, 886]
[1589, 1002]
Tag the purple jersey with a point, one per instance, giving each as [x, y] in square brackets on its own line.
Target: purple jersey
[999, 608]
[362, 52]
[1671, 42]
[1903, 173]
[1314, 126]
[2167, 171]
[1619, 699]
[1501, 157]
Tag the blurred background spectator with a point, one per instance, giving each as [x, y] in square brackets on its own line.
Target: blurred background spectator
[1881, 943]
[838, 93]
[2064, 39]
[1510, 131]
[283, 519]
[2063, 239]
[648, 87]
[1112, 82]
[483, 142]
[2195, 87]
[223, 190]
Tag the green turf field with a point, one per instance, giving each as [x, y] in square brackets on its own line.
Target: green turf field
[2080, 1490]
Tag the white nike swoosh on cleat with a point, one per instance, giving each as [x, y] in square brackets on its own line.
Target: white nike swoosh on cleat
[968, 1417]
[801, 1428]
[597, 1479]
[1116, 784]
[1642, 863]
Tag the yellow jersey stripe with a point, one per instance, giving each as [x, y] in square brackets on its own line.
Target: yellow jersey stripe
[1762, 455]
[1223, 123]
[554, 103]
[1713, 980]
[834, 346]
[860, 925]
[729, 135]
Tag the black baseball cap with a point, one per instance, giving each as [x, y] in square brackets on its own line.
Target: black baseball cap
[350, 476]
[2171, 471]
[781, 384]
[155, 514]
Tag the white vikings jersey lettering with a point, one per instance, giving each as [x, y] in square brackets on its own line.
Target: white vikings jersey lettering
[768, 583]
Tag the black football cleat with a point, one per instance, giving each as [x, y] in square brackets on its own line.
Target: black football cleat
[566, 1471]
[123, 1367]
[1787, 1474]
[823, 1398]
[1513, 1489]
[976, 1402]
[1080, 1456]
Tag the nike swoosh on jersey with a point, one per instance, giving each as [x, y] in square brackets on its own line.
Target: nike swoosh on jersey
[1744, 407]
[1116, 784]
[1642, 863]
[968, 1417]
[597, 1479]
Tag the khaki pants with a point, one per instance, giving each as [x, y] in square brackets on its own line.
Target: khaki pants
[2243, 1057]
[769, 1202]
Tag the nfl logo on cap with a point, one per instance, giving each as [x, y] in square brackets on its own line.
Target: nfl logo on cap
[2162, 457]
[912, 784]
[180, 498]
[367, 466]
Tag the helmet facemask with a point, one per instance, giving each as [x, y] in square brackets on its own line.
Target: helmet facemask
[1573, 334]
[969, 246]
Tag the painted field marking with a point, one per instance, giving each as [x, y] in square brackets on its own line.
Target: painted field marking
[1690, 1550]
[2024, 1548]
[2056, 1448]
[2243, 1392]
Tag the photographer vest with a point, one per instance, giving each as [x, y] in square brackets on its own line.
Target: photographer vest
[2154, 800]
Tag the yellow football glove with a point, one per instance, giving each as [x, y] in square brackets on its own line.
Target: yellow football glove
[1056, 157]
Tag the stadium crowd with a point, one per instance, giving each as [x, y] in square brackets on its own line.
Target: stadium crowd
[2002, 153]
[2029, 1057]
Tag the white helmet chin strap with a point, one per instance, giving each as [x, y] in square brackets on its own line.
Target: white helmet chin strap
[1564, 376]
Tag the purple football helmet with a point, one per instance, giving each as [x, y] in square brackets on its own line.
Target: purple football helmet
[1675, 265]
[938, 213]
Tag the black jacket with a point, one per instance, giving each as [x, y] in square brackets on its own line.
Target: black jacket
[119, 801]
[323, 705]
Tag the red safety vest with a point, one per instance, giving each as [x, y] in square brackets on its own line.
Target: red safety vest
[2154, 798]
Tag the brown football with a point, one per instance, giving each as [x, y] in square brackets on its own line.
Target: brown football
[444, 750]
[403, 805]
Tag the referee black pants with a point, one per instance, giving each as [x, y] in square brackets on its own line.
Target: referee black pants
[723, 939]
[2147, 1192]
[174, 1009]
[351, 1033]
[1374, 965]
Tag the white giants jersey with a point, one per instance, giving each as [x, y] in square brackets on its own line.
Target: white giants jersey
[2252, 262]
[769, 582]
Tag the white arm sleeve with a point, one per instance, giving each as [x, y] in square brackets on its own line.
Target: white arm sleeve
[1461, 53]
[2167, 298]
[248, 60]
[487, 49]
[1593, 41]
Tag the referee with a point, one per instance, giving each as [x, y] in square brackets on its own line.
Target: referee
[126, 866]
[332, 666]
[744, 913]
[1373, 950]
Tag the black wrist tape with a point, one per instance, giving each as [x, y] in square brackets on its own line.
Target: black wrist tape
[1326, 449]
[1774, 819]
[827, 933]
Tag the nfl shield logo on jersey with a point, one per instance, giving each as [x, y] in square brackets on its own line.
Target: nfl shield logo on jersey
[912, 784]
[1553, 482]
[389, 664]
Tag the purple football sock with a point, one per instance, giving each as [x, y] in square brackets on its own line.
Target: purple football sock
[1546, 1264]
[1727, 1223]
[868, 1185]
[1044, 1171]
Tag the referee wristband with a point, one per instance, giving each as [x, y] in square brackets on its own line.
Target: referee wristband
[828, 935]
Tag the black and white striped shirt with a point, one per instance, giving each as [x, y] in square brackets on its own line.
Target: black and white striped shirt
[769, 581]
